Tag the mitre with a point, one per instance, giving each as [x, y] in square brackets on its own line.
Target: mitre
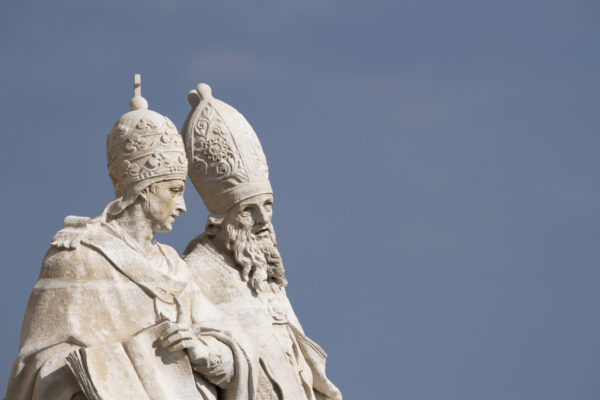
[226, 161]
[142, 148]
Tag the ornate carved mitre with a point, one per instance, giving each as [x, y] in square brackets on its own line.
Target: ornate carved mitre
[144, 145]
[227, 162]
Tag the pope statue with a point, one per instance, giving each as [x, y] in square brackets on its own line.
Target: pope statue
[235, 262]
[116, 315]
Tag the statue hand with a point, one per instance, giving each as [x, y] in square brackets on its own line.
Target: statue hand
[178, 337]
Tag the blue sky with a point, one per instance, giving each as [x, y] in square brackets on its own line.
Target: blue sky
[435, 164]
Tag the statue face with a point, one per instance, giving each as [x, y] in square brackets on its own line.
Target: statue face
[254, 214]
[164, 203]
[247, 234]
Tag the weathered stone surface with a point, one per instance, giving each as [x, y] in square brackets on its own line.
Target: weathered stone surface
[114, 313]
[235, 262]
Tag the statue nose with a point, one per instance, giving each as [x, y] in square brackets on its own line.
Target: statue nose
[261, 216]
[181, 206]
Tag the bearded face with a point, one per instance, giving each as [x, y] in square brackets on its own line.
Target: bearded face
[247, 234]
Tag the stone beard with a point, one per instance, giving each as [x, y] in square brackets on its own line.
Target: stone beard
[257, 255]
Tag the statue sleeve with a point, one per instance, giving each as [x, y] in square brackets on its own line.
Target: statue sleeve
[219, 366]
[234, 371]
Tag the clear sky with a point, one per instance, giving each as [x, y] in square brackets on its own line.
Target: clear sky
[436, 167]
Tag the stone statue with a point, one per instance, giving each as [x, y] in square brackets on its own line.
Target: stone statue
[235, 262]
[116, 315]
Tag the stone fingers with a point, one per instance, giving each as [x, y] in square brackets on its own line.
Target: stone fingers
[172, 328]
[177, 337]
[183, 344]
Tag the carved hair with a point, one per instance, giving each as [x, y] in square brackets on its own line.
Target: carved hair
[259, 259]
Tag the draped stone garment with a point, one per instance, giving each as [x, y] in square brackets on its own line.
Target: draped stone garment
[96, 288]
[285, 363]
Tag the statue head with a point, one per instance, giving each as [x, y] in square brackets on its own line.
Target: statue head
[229, 170]
[246, 233]
[146, 162]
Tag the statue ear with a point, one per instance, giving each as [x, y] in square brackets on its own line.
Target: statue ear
[212, 229]
[144, 193]
[143, 196]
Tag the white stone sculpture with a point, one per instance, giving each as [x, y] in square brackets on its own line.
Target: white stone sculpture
[235, 262]
[116, 315]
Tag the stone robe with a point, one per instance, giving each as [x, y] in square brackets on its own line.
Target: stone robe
[95, 287]
[285, 363]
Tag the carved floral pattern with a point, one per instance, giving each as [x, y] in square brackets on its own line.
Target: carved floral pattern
[136, 143]
[121, 130]
[218, 149]
[144, 124]
[131, 169]
[214, 152]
